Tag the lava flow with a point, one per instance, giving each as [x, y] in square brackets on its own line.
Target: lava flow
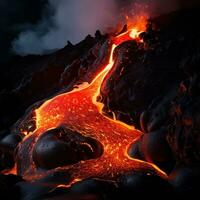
[80, 111]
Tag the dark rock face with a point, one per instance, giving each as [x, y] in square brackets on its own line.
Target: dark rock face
[38, 77]
[148, 74]
[184, 135]
[59, 147]
[171, 119]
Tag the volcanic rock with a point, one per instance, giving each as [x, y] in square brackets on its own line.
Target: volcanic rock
[30, 79]
[143, 184]
[35, 191]
[183, 131]
[94, 186]
[148, 76]
[8, 145]
[186, 180]
[134, 150]
[10, 142]
[61, 146]
[155, 149]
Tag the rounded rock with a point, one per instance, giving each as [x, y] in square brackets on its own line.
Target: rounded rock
[134, 150]
[186, 180]
[61, 146]
[144, 118]
[143, 184]
[10, 142]
[155, 149]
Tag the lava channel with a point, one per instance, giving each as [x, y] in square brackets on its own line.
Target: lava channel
[80, 111]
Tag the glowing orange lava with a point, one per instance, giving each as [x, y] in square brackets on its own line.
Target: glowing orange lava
[79, 110]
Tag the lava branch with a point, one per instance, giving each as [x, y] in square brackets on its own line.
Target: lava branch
[80, 111]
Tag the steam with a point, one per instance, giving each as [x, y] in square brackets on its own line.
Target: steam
[71, 20]
[74, 19]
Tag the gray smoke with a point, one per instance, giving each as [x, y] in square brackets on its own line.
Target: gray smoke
[71, 20]
[74, 19]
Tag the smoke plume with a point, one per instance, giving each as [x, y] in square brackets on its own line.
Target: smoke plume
[72, 20]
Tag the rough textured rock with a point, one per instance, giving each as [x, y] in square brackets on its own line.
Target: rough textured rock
[184, 130]
[143, 75]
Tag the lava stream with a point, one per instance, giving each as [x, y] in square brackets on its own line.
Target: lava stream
[79, 110]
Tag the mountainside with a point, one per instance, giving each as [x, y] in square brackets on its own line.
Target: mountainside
[154, 86]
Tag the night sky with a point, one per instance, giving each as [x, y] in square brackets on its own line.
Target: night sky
[14, 15]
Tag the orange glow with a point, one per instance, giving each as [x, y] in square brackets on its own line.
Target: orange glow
[76, 180]
[79, 110]
[10, 171]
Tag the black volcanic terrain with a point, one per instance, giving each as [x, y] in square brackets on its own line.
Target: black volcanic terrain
[155, 87]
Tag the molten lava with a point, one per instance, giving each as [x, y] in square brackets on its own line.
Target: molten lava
[79, 110]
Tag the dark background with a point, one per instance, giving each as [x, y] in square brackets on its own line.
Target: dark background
[14, 14]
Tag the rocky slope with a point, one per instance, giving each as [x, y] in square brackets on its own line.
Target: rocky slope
[155, 87]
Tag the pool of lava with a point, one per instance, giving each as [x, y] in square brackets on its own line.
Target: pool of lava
[100, 143]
